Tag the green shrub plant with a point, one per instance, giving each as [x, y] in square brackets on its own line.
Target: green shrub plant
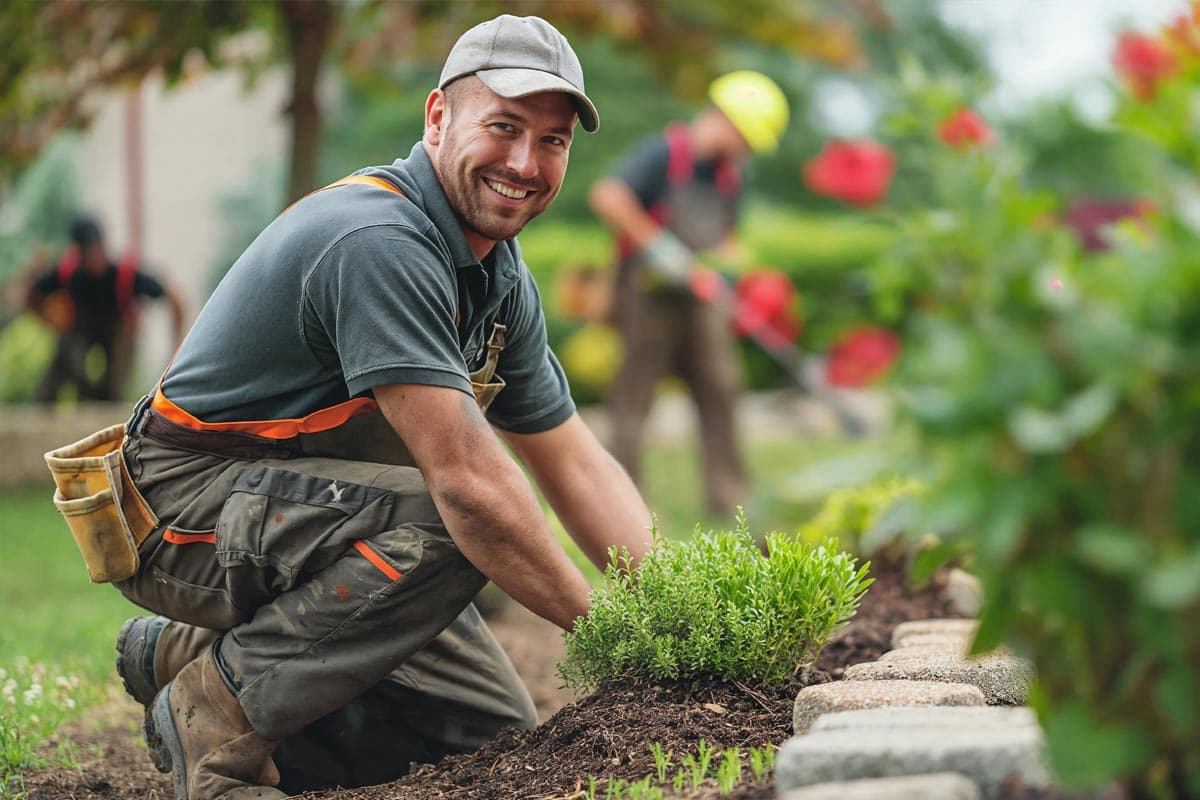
[715, 606]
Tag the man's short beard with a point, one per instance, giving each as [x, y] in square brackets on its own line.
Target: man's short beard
[464, 196]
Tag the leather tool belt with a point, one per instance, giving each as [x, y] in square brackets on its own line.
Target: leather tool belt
[107, 515]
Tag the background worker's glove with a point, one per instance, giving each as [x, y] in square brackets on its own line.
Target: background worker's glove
[668, 257]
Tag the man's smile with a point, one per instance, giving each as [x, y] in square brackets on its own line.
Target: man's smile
[510, 192]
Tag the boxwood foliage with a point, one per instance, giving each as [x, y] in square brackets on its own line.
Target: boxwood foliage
[715, 607]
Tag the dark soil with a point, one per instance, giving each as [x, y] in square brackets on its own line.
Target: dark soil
[608, 733]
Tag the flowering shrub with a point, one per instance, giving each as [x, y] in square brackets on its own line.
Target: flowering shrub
[964, 128]
[1142, 61]
[862, 357]
[855, 172]
[1056, 396]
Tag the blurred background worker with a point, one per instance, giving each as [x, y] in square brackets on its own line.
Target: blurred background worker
[92, 303]
[672, 202]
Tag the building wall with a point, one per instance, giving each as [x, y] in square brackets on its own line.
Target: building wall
[200, 140]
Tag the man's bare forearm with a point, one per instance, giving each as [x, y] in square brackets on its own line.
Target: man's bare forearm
[500, 529]
[485, 501]
[593, 496]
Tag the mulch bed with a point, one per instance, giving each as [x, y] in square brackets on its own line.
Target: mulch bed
[608, 733]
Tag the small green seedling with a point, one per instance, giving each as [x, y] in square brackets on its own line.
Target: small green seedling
[761, 761]
[729, 772]
[644, 790]
[662, 761]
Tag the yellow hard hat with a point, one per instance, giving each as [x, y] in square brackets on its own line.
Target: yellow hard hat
[754, 104]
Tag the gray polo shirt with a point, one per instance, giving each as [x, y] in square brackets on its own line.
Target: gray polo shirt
[355, 287]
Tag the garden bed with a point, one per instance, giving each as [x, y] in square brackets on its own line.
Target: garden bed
[608, 733]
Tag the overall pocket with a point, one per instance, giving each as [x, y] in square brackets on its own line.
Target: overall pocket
[106, 515]
[277, 526]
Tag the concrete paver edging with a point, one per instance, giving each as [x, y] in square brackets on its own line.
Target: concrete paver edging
[935, 786]
[990, 756]
[813, 701]
[896, 729]
[1003, 679]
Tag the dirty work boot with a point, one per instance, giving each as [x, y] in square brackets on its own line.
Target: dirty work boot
[152, 650]
[197, 731]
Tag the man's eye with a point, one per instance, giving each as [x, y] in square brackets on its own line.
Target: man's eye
[504, 126]
[555, 140]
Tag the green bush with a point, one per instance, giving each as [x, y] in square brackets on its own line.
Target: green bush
[715, 606]
[26, 348]
[1056, 398]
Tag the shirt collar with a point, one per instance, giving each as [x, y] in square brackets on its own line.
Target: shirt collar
[437, 207]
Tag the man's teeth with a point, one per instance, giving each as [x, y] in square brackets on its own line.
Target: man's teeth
[515, 194]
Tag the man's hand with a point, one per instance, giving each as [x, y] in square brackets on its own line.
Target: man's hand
[484, 499]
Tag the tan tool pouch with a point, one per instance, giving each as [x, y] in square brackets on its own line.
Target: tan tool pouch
[107, 516]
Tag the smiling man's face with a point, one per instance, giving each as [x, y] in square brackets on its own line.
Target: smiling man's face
[500, 161]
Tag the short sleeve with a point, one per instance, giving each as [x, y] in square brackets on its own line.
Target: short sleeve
[146, 286]
[382, 302]
[645, 170]
[536, 396]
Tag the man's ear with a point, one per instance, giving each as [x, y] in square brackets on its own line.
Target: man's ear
[436, 116]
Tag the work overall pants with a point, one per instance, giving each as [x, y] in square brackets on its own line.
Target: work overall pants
[665, 330]
[338, 605]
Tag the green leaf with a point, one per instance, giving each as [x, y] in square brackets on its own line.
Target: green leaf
[1039, 431]
[1086, 753]
[1174, 584]
[1113, 549]
[930, 559]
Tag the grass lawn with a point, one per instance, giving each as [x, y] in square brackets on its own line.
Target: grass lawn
[49, 611]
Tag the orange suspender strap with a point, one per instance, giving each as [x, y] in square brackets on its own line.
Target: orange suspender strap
[281, 429]
[278, 429]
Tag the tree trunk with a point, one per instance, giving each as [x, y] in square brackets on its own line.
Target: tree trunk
[309, 26]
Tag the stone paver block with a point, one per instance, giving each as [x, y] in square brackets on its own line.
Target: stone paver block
[932, 640]
[944, 717]
[813, 701]
[964, 592]
[945, 647]
[1003, 679]
[937, 786]
[944, 627]
[990, 756]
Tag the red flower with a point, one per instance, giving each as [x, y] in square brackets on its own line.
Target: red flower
[864, 355]
[1142, 61]
[965, 129]
[765, 307]
[856, 172]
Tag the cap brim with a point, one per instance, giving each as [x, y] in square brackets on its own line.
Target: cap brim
[513, 83]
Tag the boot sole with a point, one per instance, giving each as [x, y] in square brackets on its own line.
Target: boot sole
[162, 740]
[138, 678]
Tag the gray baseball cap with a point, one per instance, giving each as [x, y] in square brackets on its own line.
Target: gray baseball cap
[520, 56]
